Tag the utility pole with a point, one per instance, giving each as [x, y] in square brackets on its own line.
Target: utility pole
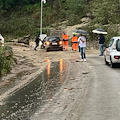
[42, 1]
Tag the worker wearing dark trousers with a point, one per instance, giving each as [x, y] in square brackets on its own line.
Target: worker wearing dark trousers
[65, 41]
[37, 40]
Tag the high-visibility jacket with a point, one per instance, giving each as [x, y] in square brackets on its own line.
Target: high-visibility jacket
[74, 39]
[65, 37]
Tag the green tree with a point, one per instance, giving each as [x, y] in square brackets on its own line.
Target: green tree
[75, 10]
[6, 4]
[105, 12]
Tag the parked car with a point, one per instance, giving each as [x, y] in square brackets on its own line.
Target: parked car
[112, 52]
[52, 43]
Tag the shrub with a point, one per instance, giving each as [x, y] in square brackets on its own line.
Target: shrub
[6, 59]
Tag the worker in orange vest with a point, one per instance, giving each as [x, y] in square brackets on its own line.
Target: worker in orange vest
[65, 41]
[74, 43]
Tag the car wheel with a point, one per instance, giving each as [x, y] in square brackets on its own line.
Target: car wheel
[61, 49]
[47, 50]
[106, 62]
[112, 65]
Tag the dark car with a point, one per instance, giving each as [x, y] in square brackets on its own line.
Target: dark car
[52, 43]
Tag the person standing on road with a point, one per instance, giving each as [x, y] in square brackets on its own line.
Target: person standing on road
[65, 41]
[82, 44]
[101, 44]
[74, 43]
[37, 40]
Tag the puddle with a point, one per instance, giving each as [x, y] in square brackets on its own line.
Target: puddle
[25, 102]
[11, 82]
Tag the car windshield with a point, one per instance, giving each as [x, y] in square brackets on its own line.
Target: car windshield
[54, 39]
[118, 45]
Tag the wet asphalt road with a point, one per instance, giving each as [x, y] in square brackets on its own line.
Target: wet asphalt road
[98, 97]
[91, 93]
[24, 102]
[104, 98]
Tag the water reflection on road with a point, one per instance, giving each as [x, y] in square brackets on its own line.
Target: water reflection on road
[24, 103]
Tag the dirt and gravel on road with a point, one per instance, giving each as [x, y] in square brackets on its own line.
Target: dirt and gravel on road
[29, 63]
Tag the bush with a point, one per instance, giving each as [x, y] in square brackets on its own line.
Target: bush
[6, 59]
[105, 11]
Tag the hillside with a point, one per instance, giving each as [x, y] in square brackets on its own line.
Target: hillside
[20, 18]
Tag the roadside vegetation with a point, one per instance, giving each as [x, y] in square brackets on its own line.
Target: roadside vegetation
[105, 14]
[6, 60]
[20, 18]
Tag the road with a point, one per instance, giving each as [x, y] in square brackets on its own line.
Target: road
[97, 97]
[90, 90]
[103, 101]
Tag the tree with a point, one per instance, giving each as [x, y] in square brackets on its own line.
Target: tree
[75, 10]
[105, 12]
[6, 4]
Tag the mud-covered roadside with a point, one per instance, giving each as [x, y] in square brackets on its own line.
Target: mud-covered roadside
[29, 63]
[69, 100]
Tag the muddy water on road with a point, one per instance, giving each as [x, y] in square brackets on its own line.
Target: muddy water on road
[24, 103]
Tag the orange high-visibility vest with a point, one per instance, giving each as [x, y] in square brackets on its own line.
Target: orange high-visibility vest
[65, 37]
[74, 39]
